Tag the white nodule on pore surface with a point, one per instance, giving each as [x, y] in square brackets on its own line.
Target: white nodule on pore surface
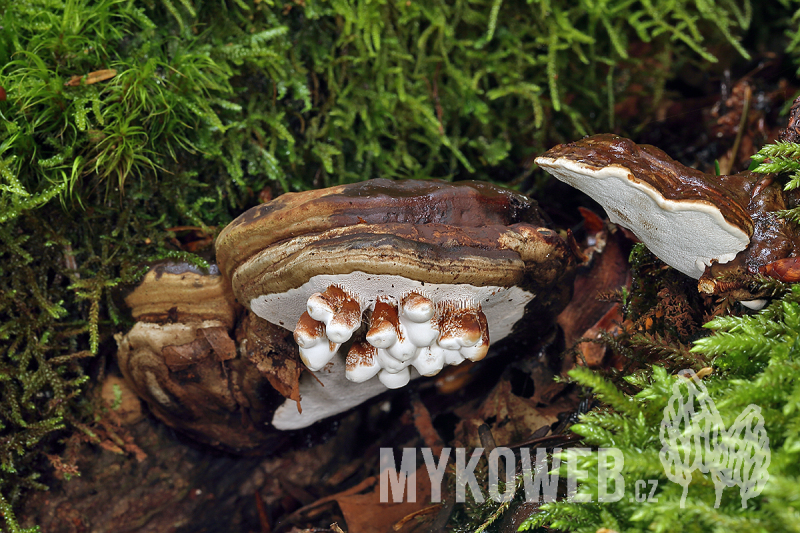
[475, 352]
[452, 357]
[403, 349]
[685, 234]
[755, 305]
[460, 328]
[316, 357]
[307, 341]
[309, 332]
[340, 313]
[390, 363]
[430, 360]
[395, 380]
[417, 308]
[344, 323]
[417, 317]
[410, 322]
[384, 325]
[362, 362]
[319, 308]
[382, 337]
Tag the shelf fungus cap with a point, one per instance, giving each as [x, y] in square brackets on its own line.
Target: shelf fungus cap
[180, 292]
[182, 358]
[687, 218]
[400, 274]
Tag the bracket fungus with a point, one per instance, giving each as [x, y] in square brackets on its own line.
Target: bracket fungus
[369, 285]
[379, 277]
[181, 358]
[699, 224]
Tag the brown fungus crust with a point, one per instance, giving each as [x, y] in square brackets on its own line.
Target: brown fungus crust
[430, 231]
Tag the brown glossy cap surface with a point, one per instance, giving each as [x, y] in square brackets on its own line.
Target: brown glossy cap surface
[429, 231]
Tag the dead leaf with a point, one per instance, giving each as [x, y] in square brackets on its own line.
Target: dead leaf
[183, 356]
[593, 353]
[92, 77]
[514, 418]
[220, 341]
[216, 339]
[282, 368]
[365, 513]
[586, 315]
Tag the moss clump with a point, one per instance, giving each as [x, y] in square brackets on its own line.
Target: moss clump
[317, 93]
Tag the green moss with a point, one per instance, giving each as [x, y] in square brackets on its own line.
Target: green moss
[320, 94]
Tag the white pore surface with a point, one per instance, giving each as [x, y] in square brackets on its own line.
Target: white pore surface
[502, 306]
[336, 396]
[686, 234]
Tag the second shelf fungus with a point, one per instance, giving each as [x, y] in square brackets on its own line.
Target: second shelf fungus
[391, 279]
[182, 357]
[700, 224]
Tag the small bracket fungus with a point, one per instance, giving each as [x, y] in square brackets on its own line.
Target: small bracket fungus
[381, 277]
[700, 224]
[685, 217]
[181, 358]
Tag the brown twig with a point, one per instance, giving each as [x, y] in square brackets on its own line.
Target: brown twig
[424, 425]
[422, 512]
[368, 482]
[748, 95]
[263, 517]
